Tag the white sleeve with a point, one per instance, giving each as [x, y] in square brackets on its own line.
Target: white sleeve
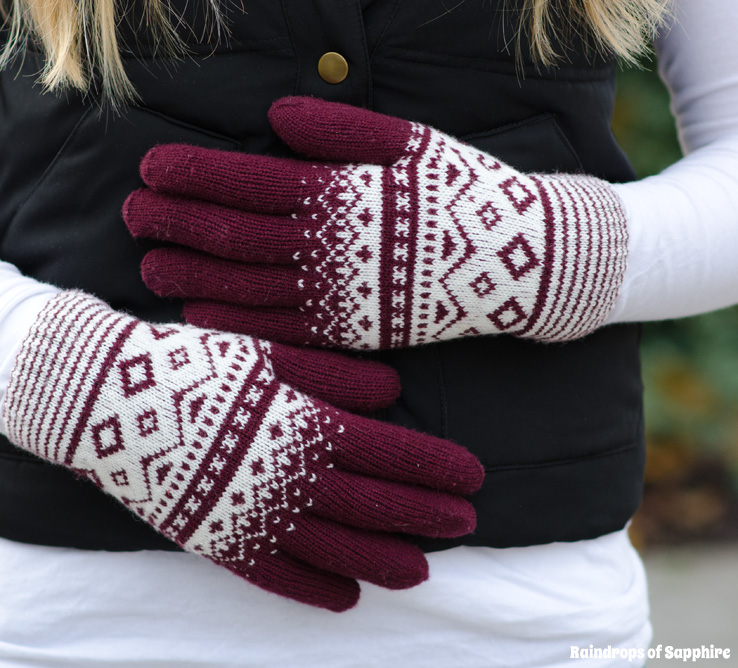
[21, 300]
[683, 223]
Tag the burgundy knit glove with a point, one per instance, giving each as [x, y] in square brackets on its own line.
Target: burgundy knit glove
[205, 436]
[420, 238]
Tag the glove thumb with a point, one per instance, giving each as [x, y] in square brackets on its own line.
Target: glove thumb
[339, 132]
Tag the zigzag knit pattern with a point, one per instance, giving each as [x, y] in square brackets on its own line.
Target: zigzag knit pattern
[419, 238]
[192, 430]
[449, 242]
[184, 486]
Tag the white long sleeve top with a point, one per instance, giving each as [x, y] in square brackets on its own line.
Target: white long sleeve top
[520, 607]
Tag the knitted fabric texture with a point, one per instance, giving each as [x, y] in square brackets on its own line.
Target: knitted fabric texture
[195, 433]
[407, 237]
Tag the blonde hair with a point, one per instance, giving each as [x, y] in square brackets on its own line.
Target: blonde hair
[624, 28]
[79, 37]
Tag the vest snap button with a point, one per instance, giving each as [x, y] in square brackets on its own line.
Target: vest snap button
[332, 67]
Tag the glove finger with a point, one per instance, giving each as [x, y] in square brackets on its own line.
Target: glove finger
[381, 505]
[387, 561]
[283, 575]
[186, 274]
[241, 180]
[391, 452]
[273, 324]
[339, 132]
[345, 382]
[214, 229]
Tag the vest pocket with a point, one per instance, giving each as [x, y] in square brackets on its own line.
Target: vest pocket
[100, 143]
[70, 232]
[536, 144]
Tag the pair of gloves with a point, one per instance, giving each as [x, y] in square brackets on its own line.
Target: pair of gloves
[243, 449]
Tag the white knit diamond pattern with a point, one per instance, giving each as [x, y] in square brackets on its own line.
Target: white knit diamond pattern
[157, 415]
[450, 242]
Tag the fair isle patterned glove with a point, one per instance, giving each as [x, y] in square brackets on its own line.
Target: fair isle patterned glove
[204, 435]
[407, 236]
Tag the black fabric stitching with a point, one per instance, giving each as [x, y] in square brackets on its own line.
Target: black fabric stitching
[195, 56]
[233, 48]
[497, 67]
[501, 129]
[566, 142]
[171, 120]
[365, 52]
[384, 30]
[563, 462]
[545, 117]
[290, 35]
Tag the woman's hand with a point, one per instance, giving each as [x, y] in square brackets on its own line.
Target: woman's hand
[402, 235]
[225, 444]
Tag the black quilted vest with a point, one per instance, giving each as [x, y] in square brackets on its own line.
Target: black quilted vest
[558, 427]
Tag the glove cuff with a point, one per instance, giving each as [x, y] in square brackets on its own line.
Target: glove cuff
[170, 420]
[586, 250]
[61, 356]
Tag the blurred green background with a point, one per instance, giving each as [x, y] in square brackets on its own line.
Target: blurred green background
[689, 369]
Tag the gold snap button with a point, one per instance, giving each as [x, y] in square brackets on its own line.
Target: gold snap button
[332, 67]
